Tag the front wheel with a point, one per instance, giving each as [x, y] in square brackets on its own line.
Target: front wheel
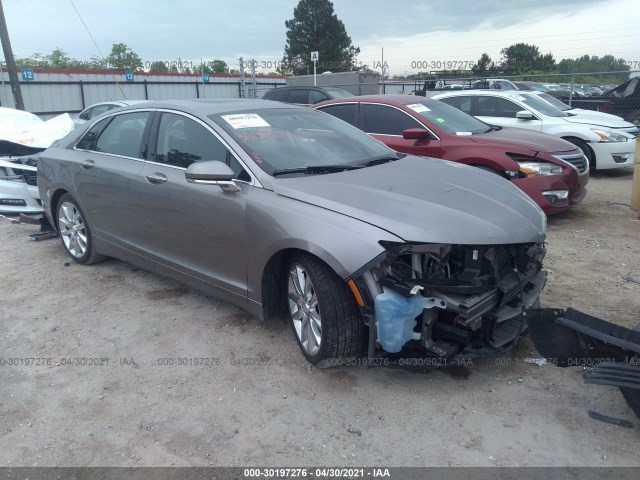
[74, 231]
[324, 317]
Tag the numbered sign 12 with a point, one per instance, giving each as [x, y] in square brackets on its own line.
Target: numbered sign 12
[27, 74]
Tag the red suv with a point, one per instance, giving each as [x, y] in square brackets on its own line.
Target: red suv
[552, 171]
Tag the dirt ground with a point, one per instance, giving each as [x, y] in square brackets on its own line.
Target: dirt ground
[252, 399]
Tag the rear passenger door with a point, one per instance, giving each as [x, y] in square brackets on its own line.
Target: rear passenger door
[109, 158]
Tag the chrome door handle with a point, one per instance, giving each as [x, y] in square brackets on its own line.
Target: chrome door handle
[88, 164]
[156, 178]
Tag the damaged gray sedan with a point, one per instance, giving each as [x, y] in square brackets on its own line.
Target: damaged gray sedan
[290, 212]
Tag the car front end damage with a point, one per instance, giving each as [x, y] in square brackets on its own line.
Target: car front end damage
[18, 186]
[448, 302]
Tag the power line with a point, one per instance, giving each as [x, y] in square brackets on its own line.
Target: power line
[86, 28]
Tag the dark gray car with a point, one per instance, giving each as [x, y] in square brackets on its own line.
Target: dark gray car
[287, 211]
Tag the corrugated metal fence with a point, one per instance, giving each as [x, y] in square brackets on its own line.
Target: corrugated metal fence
[51, 92]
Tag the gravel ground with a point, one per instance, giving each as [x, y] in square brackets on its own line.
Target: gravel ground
[103, 391]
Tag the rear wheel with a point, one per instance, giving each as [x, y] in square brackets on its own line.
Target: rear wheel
[74, 231]
[324, 317]
[582, 145]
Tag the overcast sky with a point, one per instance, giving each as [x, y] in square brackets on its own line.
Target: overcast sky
[409, 30]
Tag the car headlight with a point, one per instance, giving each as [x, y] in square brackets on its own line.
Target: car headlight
[609, 136]
[540, 168]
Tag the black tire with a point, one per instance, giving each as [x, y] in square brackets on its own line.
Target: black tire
[341, 329]
[74, 231]
[582, 145]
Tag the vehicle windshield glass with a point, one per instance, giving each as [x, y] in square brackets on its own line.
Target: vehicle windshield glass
[540, 105]
[449, 118]
[554, 101]
[278, 139]
[337, 93]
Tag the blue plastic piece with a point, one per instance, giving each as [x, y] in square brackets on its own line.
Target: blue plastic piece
[395, 317]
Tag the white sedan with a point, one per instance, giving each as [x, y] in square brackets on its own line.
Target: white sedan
[92, 111]
[607, 142]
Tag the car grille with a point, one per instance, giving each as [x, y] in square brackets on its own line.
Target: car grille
[578, 160]
[31, 178]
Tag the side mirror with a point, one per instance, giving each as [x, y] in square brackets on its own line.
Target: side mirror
[524, 115]
[415, 134]
[212, 172]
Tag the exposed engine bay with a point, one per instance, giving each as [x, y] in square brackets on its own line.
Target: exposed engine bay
[454, 301]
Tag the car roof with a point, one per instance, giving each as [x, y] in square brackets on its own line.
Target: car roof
[306, 87]
[495, 93]
[212, 106]
[390, 99]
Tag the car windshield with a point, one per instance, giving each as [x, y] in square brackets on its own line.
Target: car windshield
[337, 93]
[279, 139]
[554, 101]
[540, 105]
[449, 119]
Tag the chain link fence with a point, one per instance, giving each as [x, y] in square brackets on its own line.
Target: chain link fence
[616, 92]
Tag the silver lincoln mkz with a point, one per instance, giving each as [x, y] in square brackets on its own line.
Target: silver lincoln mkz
[284, 210]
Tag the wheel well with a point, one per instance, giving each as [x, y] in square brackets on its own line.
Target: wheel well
[54, 205]
[274, 303]
[591, 156]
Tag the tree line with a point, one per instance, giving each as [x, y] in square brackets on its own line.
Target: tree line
[526, 59]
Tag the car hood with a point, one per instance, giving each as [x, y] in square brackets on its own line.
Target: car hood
[426, 200]
[598, 119]
[520, 138]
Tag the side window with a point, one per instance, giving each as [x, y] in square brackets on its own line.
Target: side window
[86, 115]
[182, 141]
[87, 141]
[100, 109]
[497, 107]
[345, 112]
[386, 120]
[317, 97]
[461, 103]
[299, 96]
[279, 94]
[123, 135]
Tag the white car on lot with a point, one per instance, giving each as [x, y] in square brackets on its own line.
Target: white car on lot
[97, 109]
[607, 142]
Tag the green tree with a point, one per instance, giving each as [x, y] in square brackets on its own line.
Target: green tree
[158, 67]
[315, 27]
[123, 58]
[58, 59]
[218, 66]
[484, 66]
[523, 58]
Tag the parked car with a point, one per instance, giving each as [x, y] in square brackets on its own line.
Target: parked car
[287, 211]
[22, 136]
[528, 86]
[552, 172]
[623, 101]
[494, 84]
[592, 114]
[607, 144]
[98, 109]
[305, 95]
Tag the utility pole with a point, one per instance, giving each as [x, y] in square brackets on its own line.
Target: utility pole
[11, 63]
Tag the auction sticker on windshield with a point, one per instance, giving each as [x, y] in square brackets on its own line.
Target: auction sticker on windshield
[245, 120]
[418, 107]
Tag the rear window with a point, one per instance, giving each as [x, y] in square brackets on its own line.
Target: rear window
[277, 94]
